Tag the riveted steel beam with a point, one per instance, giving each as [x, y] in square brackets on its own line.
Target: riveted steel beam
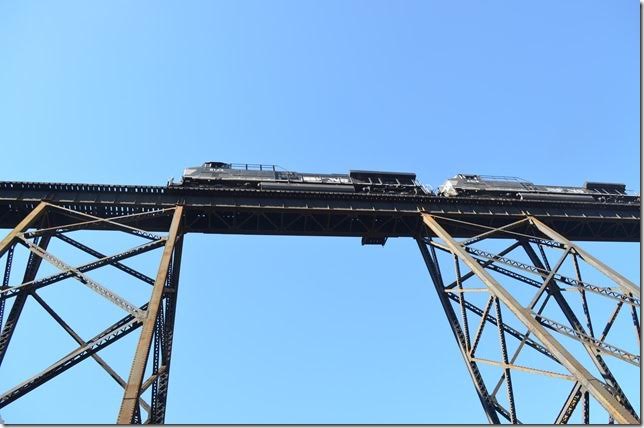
[160, 395]
[28, 221]
[627, 285]
[129, 404]
[486, 401]
[33, 264]
[108, 336]
[101, 362]
[70, 272]
[576, 369]
[116, 264]
[577, 331]
[250, 211]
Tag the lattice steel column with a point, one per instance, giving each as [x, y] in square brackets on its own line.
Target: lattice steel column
[535, 310]
[129, 412]
[155, 315]
[33, 264]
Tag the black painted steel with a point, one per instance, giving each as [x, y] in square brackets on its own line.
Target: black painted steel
[250, 211]
[434, 271]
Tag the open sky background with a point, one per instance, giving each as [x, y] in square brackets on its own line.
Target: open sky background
[297, 329]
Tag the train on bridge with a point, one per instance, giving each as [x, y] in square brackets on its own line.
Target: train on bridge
[272, 177]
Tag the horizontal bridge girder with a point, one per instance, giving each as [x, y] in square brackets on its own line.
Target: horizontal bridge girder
[246, 211]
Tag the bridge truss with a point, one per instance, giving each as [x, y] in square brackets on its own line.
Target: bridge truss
[521, 296]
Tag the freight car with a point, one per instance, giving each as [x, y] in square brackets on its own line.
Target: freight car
[272, 177]
[485, 186]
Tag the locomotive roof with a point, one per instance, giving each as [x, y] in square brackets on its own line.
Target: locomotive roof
[355, 172]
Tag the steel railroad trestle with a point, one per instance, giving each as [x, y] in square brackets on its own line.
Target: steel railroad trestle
[534, 296]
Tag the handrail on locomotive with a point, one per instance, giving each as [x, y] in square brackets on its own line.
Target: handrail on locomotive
[272, 177]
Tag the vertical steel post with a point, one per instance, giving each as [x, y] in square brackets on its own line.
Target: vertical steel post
[160, 395]
[472, 367]
[33, 264]
[130, 404]
[5, 282]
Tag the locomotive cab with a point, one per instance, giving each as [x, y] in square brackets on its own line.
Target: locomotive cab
[222, 165]
[470, 178]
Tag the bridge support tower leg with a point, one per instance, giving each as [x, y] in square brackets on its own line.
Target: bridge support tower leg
[35, 235]
[539, 321]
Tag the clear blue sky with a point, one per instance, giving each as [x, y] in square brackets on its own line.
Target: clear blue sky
[296, 330]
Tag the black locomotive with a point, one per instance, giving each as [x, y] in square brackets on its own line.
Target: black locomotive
[486, 186]
[272, 177]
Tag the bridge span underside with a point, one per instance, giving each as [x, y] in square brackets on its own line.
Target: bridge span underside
[317, 214]
[541, 306]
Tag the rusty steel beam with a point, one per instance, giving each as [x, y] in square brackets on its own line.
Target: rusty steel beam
[116, 264]
[486, 263]
[94, 220]
[28, 221]
[160, 395]
[79, 340]
[577, 369]
[90, 283]
[494, 231]
[577, 332]
[108, 336]
[32, 285]
[129, 404]
[627, 285]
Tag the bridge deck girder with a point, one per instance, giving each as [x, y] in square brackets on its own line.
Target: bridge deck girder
[247, 211]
